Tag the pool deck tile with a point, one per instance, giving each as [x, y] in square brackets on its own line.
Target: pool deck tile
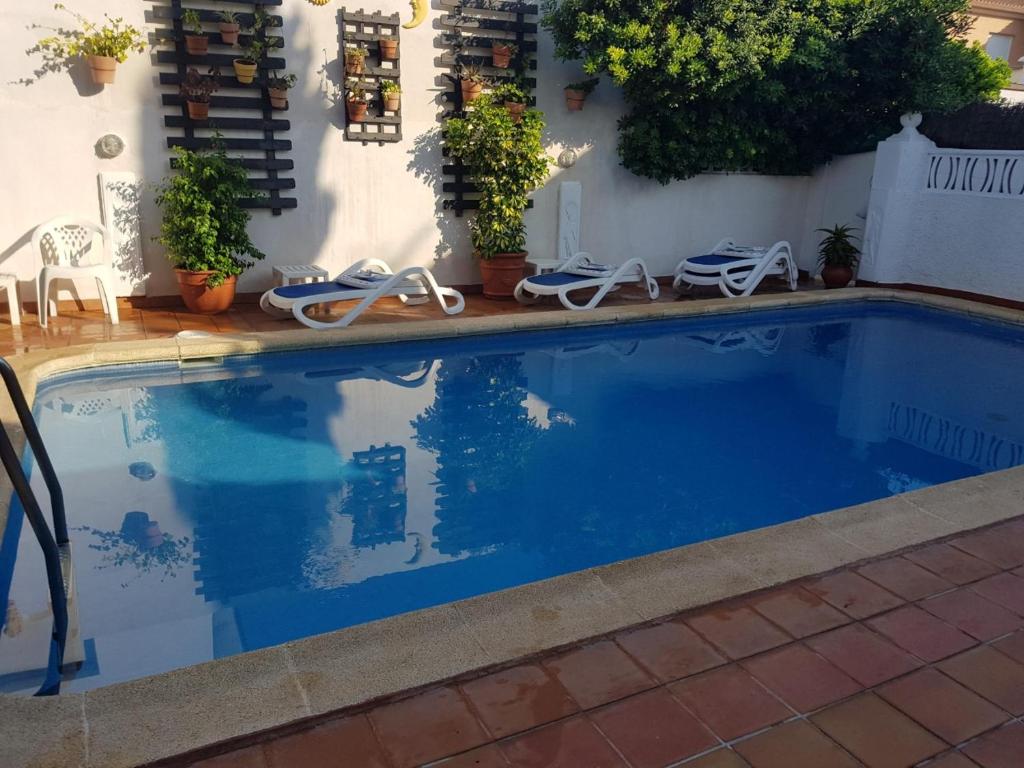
[990, 674]
[599, 673]
[567, 744]
[951, 760]
[669, 650]
[352, 737]
[922, 634]
[25, 741]
[796, 744]
[1006, 589]
[720, 758]
[999, 749]
[802, 678]
[904, 578]
[730, 702]
[969, 612]
[864, 655]
[517, 699]
[997, 548]
[951, 564]
[798, 611]
[737, 631]
[1012, 646]
[943, 706]
[854, 595]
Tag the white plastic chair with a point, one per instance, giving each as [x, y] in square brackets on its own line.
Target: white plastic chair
[67, 248]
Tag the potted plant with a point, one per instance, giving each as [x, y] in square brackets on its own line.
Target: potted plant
[837, 255]
[196, 42]
[471, 80]
[390, 95]
[277, 89]
[508, 163]
[355, 57]
[514, 99]
[197, 90]
[103, 46]
[502, 53]
[356, 100]
[247, 65]
[576, 93]
[229, 27]
[388, 47]
[205, 228]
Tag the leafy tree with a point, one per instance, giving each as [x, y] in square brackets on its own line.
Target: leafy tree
[775, 86]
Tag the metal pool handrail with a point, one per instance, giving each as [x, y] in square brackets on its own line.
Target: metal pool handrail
[55, 545]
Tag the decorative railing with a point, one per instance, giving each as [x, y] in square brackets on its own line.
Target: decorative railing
[976, 172]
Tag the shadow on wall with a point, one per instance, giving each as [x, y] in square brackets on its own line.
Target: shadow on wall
[77, 68]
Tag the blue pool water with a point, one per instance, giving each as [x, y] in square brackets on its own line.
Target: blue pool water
[222, 509]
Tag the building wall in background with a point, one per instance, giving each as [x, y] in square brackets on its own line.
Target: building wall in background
[355, 200]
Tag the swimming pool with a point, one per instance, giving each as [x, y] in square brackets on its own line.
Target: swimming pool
[226, 508]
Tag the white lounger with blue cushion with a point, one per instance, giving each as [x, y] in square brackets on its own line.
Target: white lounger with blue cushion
[580, 272]
[366, 281]
[737, 270]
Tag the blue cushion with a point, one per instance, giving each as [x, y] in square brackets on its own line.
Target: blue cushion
[304, 290]
[556, 278]
[716, 260]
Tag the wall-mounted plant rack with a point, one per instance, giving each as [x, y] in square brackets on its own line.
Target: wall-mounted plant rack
[470, 28]
[366, 29]
[252, 136]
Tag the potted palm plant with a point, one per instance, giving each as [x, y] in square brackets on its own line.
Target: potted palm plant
[390, 95]
[278, 87]
[502, 53]
[508, 163]
[576, 93]
[104, 46]
[356, 99]
[229, 27]
[205, 227]
[514, 99]
[355, 58]
[197, 89]
[837, 256]
[196, 42]
[471, 80]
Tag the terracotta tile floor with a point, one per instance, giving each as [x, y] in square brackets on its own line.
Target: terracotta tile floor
[89, 326]
[910, 660]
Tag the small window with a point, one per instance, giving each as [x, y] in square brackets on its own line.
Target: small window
[998, 46]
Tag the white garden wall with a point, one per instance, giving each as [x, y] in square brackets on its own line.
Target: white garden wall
[946, 218]
[357, 200]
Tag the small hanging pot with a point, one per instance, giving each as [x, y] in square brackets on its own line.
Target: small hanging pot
[471, 91]
[198, 110]
[353, 64]
[392, 102]
[574, 99]
[245, 70]
[515, 109]
[388, 49]
[229, 33]
[356, 111]
[501, 55]
[102, 69]
[278, 97]
[197, 45]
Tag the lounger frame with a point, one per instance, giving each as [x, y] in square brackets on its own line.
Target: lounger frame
[633, 271]
[412, 285]
[739, 277]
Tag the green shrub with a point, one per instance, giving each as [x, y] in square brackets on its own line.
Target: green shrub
[115, 39]
[204, 227]
[507, 161]
[775, 86]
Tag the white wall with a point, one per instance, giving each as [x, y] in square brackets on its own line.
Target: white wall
[945, 218]
[357, 200]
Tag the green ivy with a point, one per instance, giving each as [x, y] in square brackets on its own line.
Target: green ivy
[508, 162]
[774, 86]
[204, 227]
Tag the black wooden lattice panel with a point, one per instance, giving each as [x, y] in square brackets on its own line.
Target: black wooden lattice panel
[470, 27]
[366, 29]
[260, 125]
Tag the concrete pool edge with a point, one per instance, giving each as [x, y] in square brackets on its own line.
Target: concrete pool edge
[187, 709]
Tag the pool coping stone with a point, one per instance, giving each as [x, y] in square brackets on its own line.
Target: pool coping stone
[186, 710]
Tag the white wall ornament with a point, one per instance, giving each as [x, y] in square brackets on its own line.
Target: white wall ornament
[120, 206]
[109, 146]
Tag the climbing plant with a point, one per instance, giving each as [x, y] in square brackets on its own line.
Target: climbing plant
[774, 86]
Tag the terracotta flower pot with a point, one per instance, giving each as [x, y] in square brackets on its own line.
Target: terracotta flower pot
[197, 45]
[836, 277]
[356, 111]
[502, 273]
[392, 103]
[198, 110]
[353, 64]
[229, 33]
[574, 99]
[388, 49]
[501, 55]
[471, 91]
[202, 299]
[103, 69]
[245, 70]
[515, 109]
[278, 97]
